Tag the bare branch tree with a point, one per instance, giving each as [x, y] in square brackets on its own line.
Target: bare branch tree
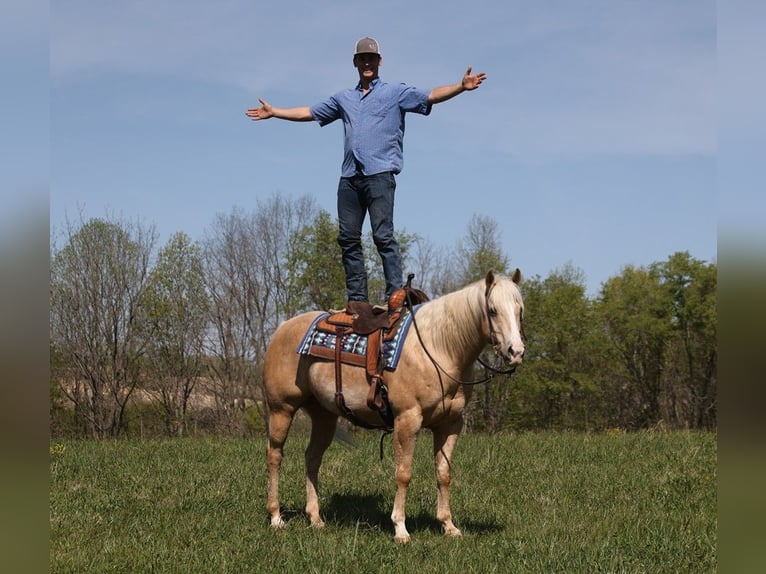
[431, 266]
[244, 257]
[481, 250]
[231, 354]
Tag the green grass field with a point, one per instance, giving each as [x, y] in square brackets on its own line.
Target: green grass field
[537, 502]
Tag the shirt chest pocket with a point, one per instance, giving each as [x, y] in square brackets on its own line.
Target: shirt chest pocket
[379, 108]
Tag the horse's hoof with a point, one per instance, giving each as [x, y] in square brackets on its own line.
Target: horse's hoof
[455, 532]
[404, 539]
[277, 522]
[319, 523]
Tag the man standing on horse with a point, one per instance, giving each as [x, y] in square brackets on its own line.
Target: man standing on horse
[373, 123]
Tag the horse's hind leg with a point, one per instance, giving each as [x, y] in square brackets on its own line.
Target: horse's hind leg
[445, 439]
[279, 426]
[322, 431]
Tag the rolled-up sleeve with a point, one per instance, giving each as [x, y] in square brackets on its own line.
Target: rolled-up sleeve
[326, 112]
[414, 100]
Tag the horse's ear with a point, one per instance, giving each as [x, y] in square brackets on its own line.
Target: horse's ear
[489, 280]
[516, 277]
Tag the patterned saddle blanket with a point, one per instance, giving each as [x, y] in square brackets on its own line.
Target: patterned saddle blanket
[319, 343]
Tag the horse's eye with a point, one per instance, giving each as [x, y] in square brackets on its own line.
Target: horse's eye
[492, 312]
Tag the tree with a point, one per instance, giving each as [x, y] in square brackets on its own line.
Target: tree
[176, 312]
[479, 251]
[98, 282]
[556, 387]
[315, 270]
[274, 224]
[246, 272]
[234, 291]
[636, 314]
[691, 287]
[429, 264]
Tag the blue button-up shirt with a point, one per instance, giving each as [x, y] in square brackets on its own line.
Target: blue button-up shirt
[373, 124]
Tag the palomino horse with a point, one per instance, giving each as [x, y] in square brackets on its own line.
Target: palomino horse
[425, 390]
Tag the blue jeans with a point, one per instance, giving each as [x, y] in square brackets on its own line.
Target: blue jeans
[357, 196]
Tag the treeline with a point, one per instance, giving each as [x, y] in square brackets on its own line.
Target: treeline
[167, 340]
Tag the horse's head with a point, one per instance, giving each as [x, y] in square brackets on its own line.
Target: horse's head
[505, 312]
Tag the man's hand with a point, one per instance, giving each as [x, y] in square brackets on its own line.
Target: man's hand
[262, 113]
[266, 111]
[472, 81]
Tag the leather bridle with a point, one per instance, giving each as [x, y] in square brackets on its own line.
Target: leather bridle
[490, 312]
[493, 341]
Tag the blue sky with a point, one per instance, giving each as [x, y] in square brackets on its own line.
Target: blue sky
[593, 141]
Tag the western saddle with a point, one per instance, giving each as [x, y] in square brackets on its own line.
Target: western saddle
[378, 324]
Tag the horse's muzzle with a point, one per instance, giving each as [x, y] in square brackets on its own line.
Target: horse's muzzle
[515, 355]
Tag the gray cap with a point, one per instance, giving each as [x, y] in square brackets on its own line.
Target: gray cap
[367, 46]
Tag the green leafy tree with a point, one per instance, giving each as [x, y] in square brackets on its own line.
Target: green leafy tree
[636, 313]
[176, 308]
[556, 387]
[98, 283]
[691, 286]
[315, 271]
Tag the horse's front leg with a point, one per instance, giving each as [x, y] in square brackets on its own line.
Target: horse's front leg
[406, 427]
[322, 431]
[445, 439]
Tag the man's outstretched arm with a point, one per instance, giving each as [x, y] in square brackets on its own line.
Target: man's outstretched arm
[468, 83]
[266, 111]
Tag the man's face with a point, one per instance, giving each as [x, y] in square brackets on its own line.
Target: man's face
[368, 65]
